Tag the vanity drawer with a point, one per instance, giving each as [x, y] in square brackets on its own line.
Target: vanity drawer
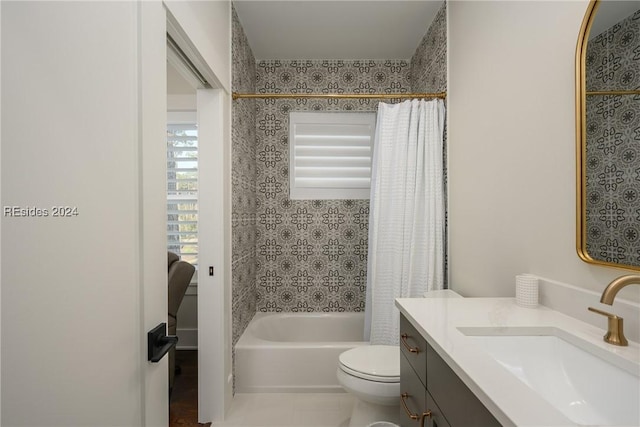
[436, 419]
[452, 395]
[413, 346]
[412, 393]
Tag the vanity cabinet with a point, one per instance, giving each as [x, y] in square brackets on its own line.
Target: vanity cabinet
[416, 399]
[429, 386]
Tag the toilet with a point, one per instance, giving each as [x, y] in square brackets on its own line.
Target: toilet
[372, 375]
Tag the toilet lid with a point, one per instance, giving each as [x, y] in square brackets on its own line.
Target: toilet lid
[372, 362]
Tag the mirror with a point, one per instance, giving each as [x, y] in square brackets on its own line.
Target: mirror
[608, 134]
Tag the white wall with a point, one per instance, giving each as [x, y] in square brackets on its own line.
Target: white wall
[0, 221]
[512, 146]
[187, 327]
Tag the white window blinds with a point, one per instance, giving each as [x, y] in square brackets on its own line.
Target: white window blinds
[182, 191]
[330, 154]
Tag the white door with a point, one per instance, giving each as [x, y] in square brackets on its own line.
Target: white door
[153, 214]
[83, 246]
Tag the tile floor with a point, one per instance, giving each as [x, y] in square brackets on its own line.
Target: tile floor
[289, 410]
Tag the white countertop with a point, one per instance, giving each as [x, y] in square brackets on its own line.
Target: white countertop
[507, 398]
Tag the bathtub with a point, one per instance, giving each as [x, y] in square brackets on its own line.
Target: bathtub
[295, 352]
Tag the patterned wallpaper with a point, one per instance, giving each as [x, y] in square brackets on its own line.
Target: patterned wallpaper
[429, 62]
[243, 178]
[311, 254]
[613, 145]
[305, 255]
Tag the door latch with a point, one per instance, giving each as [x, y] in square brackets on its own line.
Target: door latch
[159, 343]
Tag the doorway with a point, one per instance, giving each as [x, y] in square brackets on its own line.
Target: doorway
[182, 238]
[206, 328]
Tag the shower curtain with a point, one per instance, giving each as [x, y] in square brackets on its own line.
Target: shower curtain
[406, 218]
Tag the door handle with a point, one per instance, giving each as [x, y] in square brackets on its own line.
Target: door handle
[159, 343]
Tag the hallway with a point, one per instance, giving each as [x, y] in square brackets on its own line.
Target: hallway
[183, 403]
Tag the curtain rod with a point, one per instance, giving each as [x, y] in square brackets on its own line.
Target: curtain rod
[236, 95]
[613, 92]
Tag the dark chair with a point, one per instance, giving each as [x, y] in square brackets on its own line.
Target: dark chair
[180, 274]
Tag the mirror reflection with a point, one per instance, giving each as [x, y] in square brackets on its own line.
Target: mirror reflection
[611, 147]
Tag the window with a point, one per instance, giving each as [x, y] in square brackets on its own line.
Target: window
[182, 187]
[330, 154]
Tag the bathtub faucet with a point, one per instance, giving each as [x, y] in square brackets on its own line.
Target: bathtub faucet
[615, 332]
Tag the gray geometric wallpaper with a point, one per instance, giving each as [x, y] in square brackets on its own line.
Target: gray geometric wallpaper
[305, 255]
[243, 181]
[311, 254]
[613, 144]
[429, 62]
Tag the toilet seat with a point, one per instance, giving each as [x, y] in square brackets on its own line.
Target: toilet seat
[379, 363]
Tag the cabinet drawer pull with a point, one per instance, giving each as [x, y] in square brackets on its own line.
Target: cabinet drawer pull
[415, 350]
[426, 414]
[415, 417]
[403, 396]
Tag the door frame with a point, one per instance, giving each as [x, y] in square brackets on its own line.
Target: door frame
[214, 234]
[215, 380]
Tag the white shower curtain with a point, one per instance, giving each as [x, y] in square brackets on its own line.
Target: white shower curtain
[406, 219]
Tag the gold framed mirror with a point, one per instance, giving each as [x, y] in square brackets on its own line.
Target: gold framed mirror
[608, 134]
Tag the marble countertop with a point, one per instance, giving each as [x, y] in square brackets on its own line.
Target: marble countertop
[510, 400]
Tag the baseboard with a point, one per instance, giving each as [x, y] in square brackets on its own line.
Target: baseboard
[187, 339]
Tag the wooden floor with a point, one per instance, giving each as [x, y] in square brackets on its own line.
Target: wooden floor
[183, 404]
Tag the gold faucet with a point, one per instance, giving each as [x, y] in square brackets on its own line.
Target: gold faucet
[614, 287]
[615, 332]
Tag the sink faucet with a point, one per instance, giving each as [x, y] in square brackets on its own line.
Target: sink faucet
[614, 287]
[615, 332]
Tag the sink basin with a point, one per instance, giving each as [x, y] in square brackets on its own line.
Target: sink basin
[588, 384]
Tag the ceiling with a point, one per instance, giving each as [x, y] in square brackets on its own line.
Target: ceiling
[312, 29]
